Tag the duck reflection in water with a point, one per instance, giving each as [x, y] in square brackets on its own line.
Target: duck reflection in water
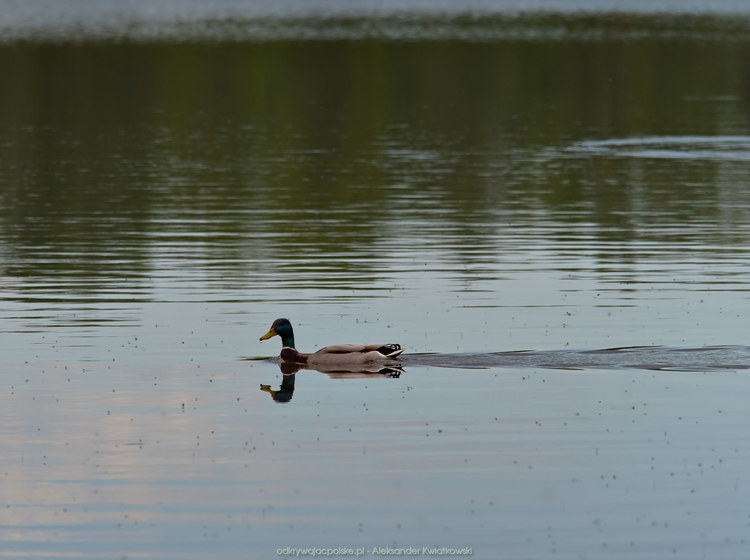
[289, 371]
[339, 361]
[284, 393]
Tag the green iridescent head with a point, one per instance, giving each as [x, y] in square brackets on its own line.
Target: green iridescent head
[282, 328]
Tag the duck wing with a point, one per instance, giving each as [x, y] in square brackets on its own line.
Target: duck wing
[385, 350]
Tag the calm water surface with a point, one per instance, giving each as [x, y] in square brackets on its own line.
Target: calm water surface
[549, 210]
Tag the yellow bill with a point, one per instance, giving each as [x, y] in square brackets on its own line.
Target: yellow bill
[271, 332]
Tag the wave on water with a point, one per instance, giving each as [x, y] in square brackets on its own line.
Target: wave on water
[711, 148]
[655, 358]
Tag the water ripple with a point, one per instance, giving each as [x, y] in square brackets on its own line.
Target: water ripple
[704, 359]
[710, 148]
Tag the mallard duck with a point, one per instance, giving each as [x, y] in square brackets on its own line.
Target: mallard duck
[337, 355]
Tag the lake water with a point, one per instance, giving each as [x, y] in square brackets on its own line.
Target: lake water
[548, 208]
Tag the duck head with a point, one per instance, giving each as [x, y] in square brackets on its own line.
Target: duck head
[282, 328]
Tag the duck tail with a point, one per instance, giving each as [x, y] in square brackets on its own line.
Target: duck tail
[390, 350]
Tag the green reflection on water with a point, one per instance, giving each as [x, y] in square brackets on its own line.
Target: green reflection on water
[325, 158]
